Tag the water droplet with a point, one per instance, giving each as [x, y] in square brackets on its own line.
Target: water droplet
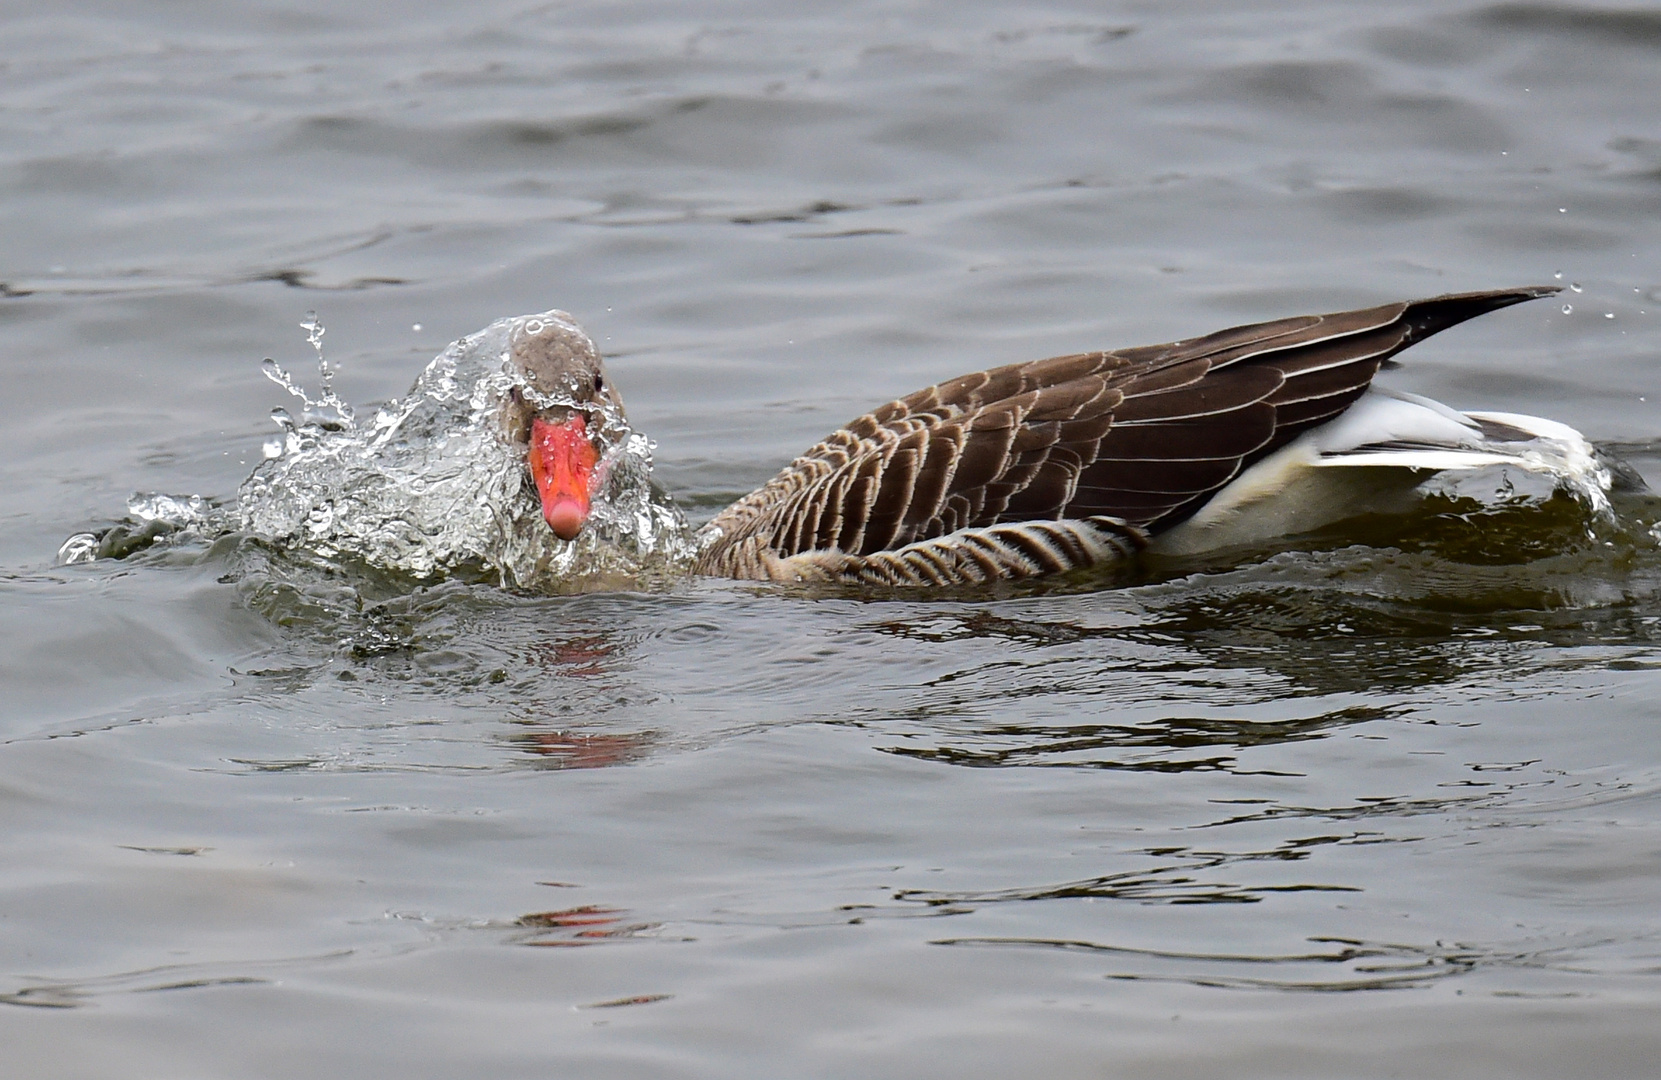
[416, 328]
[1574, 286]
[1568, 309]
[1609, 314]
[1562, 209]
[313, 327]
[1558, 275]
[283, 418]
[80, 548]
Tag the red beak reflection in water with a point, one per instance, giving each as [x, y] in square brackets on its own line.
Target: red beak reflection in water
[562, 464]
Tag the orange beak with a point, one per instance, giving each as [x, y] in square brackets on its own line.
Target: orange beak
[562, 464]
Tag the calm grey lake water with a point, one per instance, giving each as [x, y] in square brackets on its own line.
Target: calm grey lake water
[1382, 803]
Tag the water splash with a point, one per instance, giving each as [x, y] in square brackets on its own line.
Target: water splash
[432, 485]
[328, 410]
[151, 517]
[180, 511]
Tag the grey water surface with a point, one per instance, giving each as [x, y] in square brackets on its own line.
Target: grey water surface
[1383, 802]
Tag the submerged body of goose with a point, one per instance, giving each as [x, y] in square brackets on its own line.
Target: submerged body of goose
[1054, 465]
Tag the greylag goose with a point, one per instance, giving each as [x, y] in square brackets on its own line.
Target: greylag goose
[1057, 464]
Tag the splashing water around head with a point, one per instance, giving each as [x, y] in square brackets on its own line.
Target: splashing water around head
[436, 483]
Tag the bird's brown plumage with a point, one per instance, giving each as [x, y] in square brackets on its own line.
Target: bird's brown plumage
[1060, 463]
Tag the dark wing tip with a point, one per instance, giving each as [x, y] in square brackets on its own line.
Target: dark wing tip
[1427, 317]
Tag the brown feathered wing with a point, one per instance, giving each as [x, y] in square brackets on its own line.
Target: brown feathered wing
[1141, 437]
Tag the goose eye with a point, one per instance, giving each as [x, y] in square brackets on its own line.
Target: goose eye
[599, 384]
[515, 395]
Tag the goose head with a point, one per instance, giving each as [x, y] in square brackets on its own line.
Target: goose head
[560, 400]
